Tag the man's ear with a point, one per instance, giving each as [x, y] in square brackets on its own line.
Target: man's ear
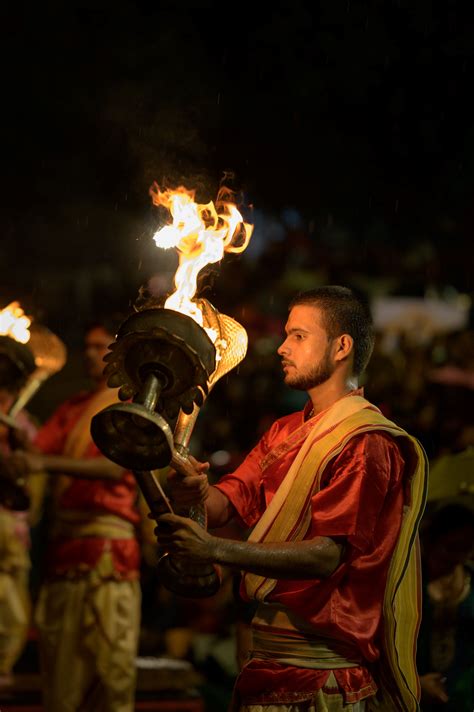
[344, 347]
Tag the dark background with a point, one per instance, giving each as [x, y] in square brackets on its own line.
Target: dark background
[346, 128]
[346, 125]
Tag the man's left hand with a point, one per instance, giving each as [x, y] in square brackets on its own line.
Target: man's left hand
[185, 538]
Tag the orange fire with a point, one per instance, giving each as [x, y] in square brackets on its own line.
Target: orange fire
[201, 233]
[15, 323]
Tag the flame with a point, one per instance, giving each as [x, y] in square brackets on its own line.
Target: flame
[15, 323]
[201, 233]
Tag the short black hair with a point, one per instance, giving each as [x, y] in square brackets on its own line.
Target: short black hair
[344, 312]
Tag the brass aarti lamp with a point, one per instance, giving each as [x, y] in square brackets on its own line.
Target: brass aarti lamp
[165, 360]
[166, 364]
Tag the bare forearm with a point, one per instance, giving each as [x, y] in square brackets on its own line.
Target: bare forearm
[219, 508]
[91, 468]
[317, 558]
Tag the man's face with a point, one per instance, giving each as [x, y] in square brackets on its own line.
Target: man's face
[306, 352]
[96, 346]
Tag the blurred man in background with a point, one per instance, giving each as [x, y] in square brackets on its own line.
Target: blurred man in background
[88, 612]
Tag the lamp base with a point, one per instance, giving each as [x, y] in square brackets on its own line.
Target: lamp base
[132, 436]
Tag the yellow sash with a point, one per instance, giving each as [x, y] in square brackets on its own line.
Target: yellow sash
[288, 516]
[76, 524]
[79, 438]
[314, 652]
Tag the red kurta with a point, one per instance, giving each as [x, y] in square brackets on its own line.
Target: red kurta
[92, 496]
[361, 499]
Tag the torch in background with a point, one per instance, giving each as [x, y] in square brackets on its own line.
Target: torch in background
[48, 351]
[167, 359]
[50, 357]
[38, 354]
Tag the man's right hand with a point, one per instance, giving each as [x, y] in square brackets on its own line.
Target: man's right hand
[188, 490]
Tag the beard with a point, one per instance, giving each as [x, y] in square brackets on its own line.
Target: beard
[317, 375]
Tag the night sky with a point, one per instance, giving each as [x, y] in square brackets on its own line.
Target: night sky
[353, 112]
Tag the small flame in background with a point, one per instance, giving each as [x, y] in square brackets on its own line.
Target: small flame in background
[202, 234]
[15, 323]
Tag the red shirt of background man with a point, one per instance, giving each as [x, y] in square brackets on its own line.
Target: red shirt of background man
[99, 496]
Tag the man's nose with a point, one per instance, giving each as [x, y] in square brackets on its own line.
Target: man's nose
[282, 349]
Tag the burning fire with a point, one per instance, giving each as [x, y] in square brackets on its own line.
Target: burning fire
[15, 323]
[201, 234]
